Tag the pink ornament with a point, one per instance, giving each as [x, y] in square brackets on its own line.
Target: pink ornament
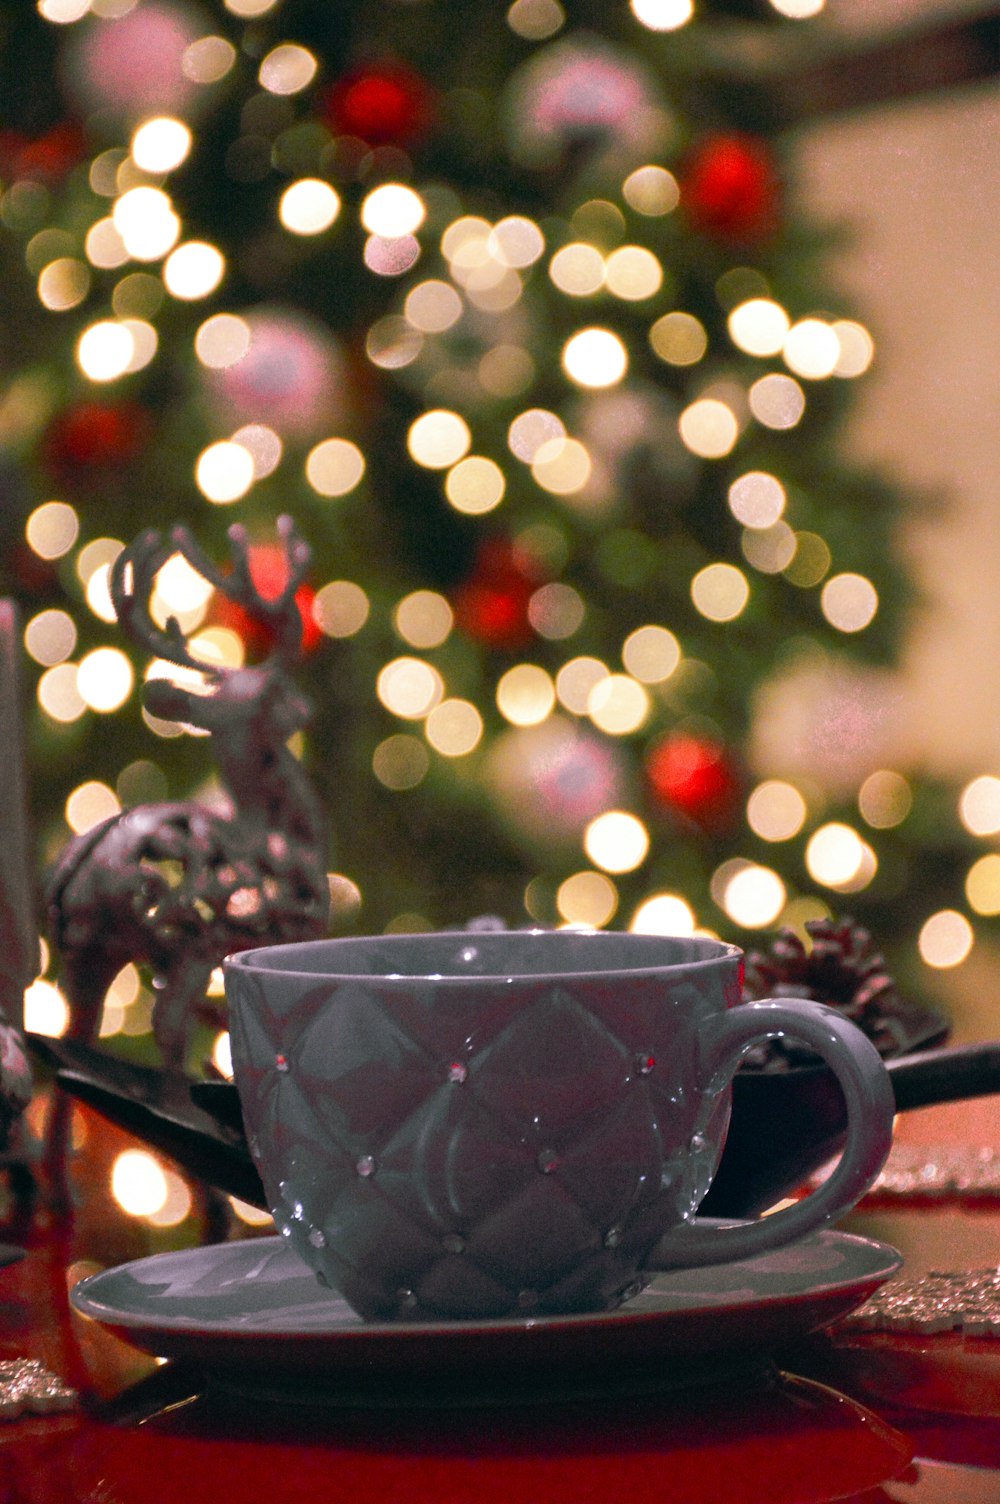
[578, 91]
[133, 64]
[551, 780]
[291, 376]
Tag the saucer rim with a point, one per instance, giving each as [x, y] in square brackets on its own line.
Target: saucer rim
[125, 1320]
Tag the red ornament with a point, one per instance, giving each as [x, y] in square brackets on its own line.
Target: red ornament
[385, 103]
[45, 158]
[269, 571]
[695, 777]
[492, 604]
[730, 188]
[96, 435]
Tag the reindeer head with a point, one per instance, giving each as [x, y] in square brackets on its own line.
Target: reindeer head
[249, 710]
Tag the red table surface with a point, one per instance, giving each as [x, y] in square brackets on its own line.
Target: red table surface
[869, 1418]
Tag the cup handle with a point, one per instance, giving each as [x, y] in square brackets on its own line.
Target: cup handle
[870, 1103]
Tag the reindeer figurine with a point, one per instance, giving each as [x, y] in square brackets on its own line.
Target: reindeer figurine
[180, 885]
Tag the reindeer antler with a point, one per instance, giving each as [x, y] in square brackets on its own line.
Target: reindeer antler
[131, 583]
[280, 611]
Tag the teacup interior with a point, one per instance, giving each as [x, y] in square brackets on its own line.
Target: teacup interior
[499, 953]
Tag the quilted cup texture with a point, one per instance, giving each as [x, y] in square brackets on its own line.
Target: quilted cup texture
[476, 1148]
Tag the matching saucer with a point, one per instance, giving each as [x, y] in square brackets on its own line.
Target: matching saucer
[251, 1316]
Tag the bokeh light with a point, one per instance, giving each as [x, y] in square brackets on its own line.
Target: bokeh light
[885, 799]
[308, 206]
[759, 326]
[224, 472]
[651, 654]
[982, 884]
[525, 695]
[679, 339]
[161, 144]
[757, 499]
[849, 602]
[587, 898]
[754, 896]
[393, 210]
[663, 15]
[663, 914]
[454, 728]
[709, 428]
[776, 810]
[409, 687]
[193, 270]
[720, 591]
[334, 467]
[945, 939]
[595, 358]
[438, 439]
[979, 805]
[651, 191]
[52, 529]
[616, 841]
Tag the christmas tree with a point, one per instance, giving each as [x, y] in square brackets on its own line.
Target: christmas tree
[514, 310]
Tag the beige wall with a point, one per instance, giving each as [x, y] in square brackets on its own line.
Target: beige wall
[920, 182]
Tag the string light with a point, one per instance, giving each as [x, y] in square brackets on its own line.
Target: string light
[663, 15]
[616, 841]
[709, 428]
[979, 805]
[438, 439]
[161, 144]
[536, 20]
[679, 339]
[393, 210]
[193, 270]
[652, 191]
[308, 206]
[334, 467]
[945, 939]
[587, 898]
[525, 695]
[287, 69]
[52, 529]
[663, 914]
[595, 358]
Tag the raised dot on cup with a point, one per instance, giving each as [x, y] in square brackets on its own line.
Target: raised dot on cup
[644, 1063]
[612, 1237]
[365, 1166]
[317, 1237]
[547, 1161]
[698, 1143]
[527, 1300]
[457, 1071]
[453, 1242]
[407, 1299]
[281, 1063]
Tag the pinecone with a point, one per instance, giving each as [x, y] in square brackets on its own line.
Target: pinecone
[842, 969]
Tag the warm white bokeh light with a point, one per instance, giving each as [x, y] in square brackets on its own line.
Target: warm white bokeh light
[595, 358]
[309, 206]
[393, 210]
[979, 805]
[161, 144]
[663, 914]
[224, 472]
[438, 439]
[945, 939]
[616, 841]
[193, 270]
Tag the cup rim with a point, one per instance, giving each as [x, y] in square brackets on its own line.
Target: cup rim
[715, 951]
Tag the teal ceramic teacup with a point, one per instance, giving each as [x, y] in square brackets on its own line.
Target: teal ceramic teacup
[477, 1125]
